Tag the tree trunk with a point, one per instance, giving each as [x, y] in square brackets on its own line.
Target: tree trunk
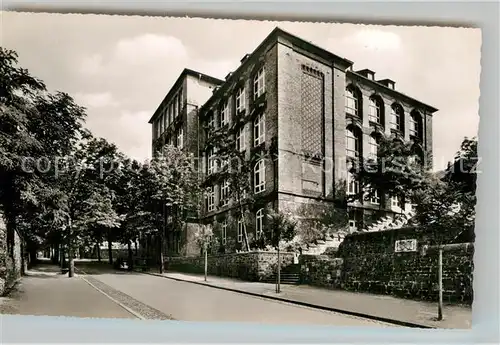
[99, 252]
[161, 251]
[206, 261]
[136, 250]
[440, 283]
[130, 256]
[244, 226]
[71, 257]
[57, 256]
[63, 257]
[278, 277]
[110, 250]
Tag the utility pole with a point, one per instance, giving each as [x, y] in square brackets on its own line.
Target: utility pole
[440, 283]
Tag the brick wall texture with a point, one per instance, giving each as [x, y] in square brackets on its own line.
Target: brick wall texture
[368, 263]
[249, 266]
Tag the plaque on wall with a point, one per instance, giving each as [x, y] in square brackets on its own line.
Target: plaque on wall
[402, 246]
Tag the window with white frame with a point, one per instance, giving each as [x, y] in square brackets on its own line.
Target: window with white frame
[353, 144]
[224, 193]
[170, 111]
[211, 122]
[211, 198]
[396, 117]
[351, 102]
[212, 162]
[396, 201]
[352, 185]
[375, 110]
[259, 223]
[180, 98]
[240, 100]
[259, 129]
[180, 138]
[241, 227]
[165, 119]
[259, 177]
[259, 86]
[375, 197]
[373, 147]
[157, 129]
[224, 232]
[241, 139]
[224, 114]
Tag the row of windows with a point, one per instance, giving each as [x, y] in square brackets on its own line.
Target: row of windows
[259, 88]
[259, 227]
[354, 189]
[169, 113]
[353, 106]
[259, 137]
[259, 185]
[177, 139]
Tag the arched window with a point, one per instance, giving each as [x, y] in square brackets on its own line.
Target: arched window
[353, 144]
[375, 110]
[259, 223]
[374, 142]
[416, 127]
[259, 129]
[352, 101]
[241, 228]
[418, 156]
[397, 117]
[352, 184]
[259, 174]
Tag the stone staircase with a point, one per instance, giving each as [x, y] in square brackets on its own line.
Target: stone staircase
[389, 222]
[290, 275]
[331, 241]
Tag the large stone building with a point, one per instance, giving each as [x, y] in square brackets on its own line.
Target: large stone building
[310, 110]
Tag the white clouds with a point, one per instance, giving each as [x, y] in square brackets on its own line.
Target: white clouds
[148, 48]
[96, 100]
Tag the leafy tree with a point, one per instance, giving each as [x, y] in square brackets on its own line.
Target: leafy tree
[204, 237]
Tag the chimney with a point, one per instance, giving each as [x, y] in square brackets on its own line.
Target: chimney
[387, 82]
[244, 58]
[368, 74]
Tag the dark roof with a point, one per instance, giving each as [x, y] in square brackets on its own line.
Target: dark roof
[394, 92]
[185, 72]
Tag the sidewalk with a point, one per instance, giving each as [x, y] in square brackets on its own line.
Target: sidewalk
[381, 307]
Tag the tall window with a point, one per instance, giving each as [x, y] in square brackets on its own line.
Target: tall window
[259, 177]
[259, 129]
[375, 110]
[352, 185]
[396, 120]
[353, 142]
[160, 121]
[180, 99]
[170, 111]
[211, 198]
[157, 128]
[351, 102]
[259, 86]
[212, 163]
[224, 193]
[180, 138]
[241, 139]
[224, 232]
[224, 114]
[240, 100]
[259, 223]
[241, 227]
[375, 197]
[175, 107]
[373, 147]
[415, 124]
[211, 123]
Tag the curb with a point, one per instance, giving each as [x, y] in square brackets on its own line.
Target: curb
[304, 304]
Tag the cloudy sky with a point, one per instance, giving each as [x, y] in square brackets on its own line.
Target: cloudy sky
[121, 67]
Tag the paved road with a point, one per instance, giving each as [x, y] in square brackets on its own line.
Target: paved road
[191, 302]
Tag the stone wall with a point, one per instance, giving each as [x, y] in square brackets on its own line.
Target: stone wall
[368, 263]
[249, 266]
[10, 266]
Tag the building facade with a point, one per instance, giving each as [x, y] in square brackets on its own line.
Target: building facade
[295, 114]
